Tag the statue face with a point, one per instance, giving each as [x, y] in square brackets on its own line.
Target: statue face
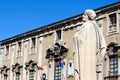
[85, 17]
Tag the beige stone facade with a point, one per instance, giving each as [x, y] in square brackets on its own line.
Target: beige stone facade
[51, 47]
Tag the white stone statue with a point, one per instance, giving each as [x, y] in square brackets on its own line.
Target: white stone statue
[89, 49]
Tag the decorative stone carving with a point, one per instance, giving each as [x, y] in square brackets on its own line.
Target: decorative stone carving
[30, 65]
[58, 49]
[4, 70]
[16, 68]
[113, 48]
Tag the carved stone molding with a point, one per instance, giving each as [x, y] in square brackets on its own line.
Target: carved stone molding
[16, 68]
[113, 48]
[57, 50]
[4, 70]
[30, 65]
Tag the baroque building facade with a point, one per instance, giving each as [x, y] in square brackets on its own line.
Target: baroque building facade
[46, 53]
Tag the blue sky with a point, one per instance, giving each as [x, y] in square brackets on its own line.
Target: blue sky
[19, 16]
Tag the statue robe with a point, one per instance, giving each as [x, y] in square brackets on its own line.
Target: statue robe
[88, 40]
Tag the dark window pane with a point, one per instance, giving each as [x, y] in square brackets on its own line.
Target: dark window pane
[113, 65]
[58, 34]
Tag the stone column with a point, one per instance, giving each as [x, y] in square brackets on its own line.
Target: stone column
[39, 42]
[12, 53]
[51, 70]
[64, 69]
[25, 53]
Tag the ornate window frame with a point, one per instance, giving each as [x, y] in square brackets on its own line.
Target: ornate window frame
[33, 43]
[56, 35]
[16, 69]
[4, 71]
[30, 68]
[7, 52]
[19, 49]
[113, 53]
[114, 30]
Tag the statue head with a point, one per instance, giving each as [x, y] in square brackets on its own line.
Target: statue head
[89, 15]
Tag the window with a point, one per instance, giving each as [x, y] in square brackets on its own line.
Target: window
[58, 70]
[7, 50]
[57, 73]
[112, 25]
[19, 45]
[6, 54]
[33, 42]
[17, 76]
[113, 65]
[112, 19]
[19, 49]
[5, 77]
[31, 75]
[58, 35]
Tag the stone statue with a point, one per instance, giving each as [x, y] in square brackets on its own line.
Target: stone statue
[89, 49]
